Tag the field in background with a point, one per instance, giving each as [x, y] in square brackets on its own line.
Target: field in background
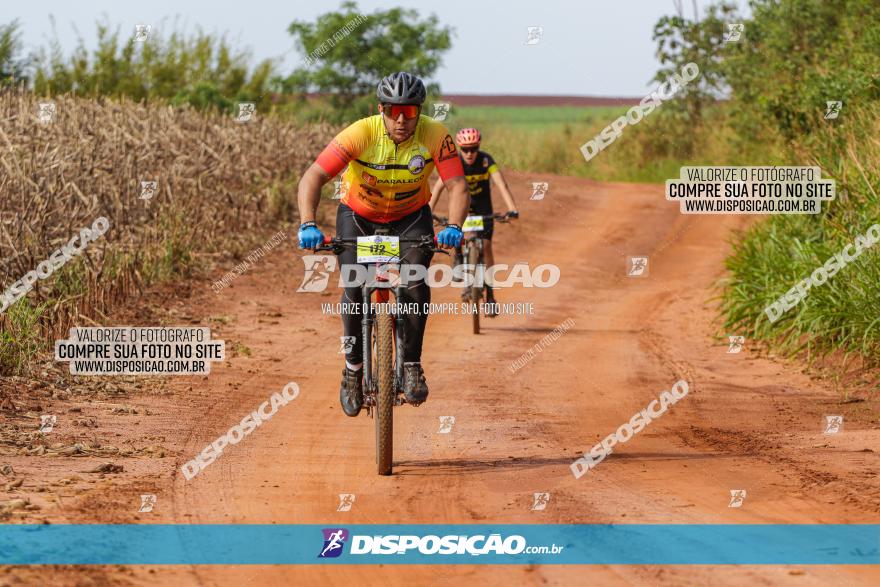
[536, 118]
[537, 100]
[547, 139]
[536, 138]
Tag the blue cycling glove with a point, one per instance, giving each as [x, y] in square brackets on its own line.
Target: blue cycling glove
[309, 235]
[450, 236]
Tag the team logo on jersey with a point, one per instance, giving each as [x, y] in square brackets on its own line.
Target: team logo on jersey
[485, 162]
[447, 149]
[370, 179]
[416, 165]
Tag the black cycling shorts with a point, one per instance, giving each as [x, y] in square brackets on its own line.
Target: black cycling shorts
[419, 223]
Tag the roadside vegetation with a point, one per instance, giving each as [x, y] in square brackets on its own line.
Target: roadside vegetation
[219, 185]
[795, 57]
[759, 101]
[762, 101]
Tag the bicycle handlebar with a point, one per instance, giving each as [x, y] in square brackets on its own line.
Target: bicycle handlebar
[337, 244]
[443, 220]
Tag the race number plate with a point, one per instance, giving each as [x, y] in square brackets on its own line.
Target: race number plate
[378, 248]
[472, 223]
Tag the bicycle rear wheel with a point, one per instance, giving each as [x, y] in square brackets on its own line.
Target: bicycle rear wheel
[385, 395]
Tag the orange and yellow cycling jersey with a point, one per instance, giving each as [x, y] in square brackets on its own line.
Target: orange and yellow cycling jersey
[386, 181]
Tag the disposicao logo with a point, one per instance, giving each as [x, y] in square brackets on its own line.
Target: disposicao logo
[334, 540]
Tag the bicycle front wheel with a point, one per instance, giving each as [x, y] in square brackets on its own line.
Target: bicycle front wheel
[385, 396]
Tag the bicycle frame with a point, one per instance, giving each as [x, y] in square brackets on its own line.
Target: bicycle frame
[368, 320]
[383, 390]
[474, 239]
[383, 296]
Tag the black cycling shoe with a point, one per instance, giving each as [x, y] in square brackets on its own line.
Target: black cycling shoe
[415, 388]
[351, 392]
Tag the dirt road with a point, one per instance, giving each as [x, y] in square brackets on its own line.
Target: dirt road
[749, 422]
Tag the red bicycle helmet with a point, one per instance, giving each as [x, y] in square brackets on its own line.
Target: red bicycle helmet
[467, 137]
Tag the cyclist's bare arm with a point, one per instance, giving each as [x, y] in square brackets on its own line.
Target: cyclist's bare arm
[309, 193]
[459, 199]
[435, 193]
[501, 184]
[452, 173]
[344, 147]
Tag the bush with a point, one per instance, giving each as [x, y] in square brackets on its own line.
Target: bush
[199, 69]
[771, 257]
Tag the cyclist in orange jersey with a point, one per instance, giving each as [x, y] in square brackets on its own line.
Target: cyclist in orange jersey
[388, 159]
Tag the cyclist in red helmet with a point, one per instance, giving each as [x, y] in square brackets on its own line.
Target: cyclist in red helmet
[479, 167]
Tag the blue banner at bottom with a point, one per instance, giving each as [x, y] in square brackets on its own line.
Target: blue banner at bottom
[570, 544]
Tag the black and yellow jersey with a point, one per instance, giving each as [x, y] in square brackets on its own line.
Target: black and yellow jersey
[477, 176]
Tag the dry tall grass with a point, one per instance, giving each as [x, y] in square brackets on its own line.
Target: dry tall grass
[219, 181]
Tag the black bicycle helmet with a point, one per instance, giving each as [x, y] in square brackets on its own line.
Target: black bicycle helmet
[401, 88]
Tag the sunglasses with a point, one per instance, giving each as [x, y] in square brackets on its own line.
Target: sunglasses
[469, 149]
[394, 111]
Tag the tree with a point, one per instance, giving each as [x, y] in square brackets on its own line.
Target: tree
[347, 53]
[12, 65]
[801, 54]
[793, 57]
[200, 69]
[681, 41]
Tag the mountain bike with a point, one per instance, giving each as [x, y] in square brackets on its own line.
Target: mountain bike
[472, 255]
[383, 329]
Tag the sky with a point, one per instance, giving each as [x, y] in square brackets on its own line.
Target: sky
[586, 48]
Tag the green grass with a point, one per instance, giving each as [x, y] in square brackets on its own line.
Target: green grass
[20, 338]
[544, 139]
[774, 255]
[547, 139]
[533, 118]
